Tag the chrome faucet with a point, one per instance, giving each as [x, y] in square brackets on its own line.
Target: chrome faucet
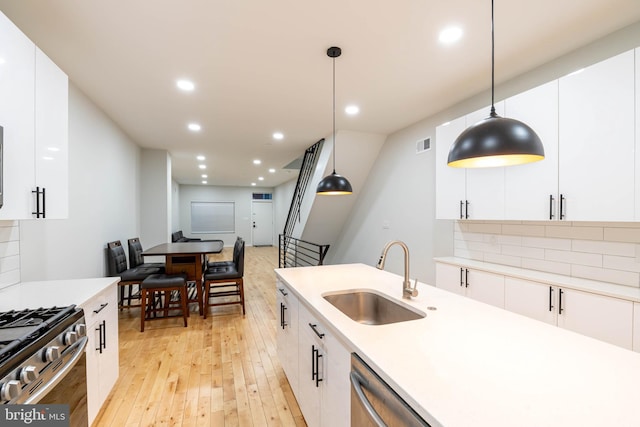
[407, 290]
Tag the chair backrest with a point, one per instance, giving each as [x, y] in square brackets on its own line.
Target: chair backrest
[240, 263]
[236, 249]
[135, 252]
[176, 236]
[117, 258]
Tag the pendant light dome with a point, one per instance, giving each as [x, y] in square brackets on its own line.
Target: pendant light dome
[495, 141]
[334, 184]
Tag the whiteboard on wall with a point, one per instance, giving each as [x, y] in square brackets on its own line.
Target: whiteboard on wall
[212, 217]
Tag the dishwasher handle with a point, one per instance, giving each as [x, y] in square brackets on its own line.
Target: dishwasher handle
[356, 382]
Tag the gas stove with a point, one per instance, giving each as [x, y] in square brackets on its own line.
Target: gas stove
[37, 347]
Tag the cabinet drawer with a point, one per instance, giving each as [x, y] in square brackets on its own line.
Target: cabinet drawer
[98, 303]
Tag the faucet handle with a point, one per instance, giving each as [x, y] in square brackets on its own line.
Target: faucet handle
[414, 291]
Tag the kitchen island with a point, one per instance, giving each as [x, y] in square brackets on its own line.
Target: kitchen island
[469, 363]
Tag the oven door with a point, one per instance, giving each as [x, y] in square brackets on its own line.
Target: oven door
[69, 386]
[374, 403]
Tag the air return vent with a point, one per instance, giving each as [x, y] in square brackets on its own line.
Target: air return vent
[423, 145]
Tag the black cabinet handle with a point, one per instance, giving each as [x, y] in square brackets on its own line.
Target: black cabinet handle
[461, 214]
[313, 326]
[39, 213]
[313, 363]
[550, 297]
[550, 206]
[560, 302]
[102, 306]
[461, 277]
[318, 379]
[283, 292]
[562, 214]
[283, 323]
[466, 209]
[466, 277]
[44, 203]
[102, 336]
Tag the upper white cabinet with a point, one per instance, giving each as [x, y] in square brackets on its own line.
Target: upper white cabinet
[466, 193]
[34, 117]
[17, 118]
[52, 136]
[531, 190]
[597, 141]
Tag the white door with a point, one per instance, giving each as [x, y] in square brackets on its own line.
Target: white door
[262, 223]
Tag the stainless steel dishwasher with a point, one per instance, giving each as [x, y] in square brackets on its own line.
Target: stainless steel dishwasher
[374, 403]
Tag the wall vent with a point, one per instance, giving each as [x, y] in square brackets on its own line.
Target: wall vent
[423, 145]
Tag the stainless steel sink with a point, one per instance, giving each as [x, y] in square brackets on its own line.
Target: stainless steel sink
[372, 308]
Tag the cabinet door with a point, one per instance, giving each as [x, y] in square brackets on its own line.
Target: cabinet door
[336, 387]
[530, 187]
[485, 287]
[450, 278]
[287, 334]
[485, 186]
[51, 135]
[636, 326]
[310, 355]
[450, 182]
[17, 107]
[597, 141]
[604, 318]
[531, 299]
[109, 359]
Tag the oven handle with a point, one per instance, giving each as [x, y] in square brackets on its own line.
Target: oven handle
[40, 393]
[356, 382]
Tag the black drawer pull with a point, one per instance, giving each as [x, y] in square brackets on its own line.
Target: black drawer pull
[283, 292]
[313, 326]
[102, 306]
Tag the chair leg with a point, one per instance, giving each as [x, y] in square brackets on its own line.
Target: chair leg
[184, 303]
[204, 301]
[121, 296]
[200, 297]
[241, 288]
[143, 308]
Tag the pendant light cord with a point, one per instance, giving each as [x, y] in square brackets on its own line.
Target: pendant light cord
[334, 115]
[493, 43]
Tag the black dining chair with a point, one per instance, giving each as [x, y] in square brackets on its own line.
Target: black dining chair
[117, 266]
[224, 282]
[137, 260]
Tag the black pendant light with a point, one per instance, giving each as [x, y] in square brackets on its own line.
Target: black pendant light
[334, 184]
[495, 141]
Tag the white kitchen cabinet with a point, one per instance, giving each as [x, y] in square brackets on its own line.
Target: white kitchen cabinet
[101, 315]
[466, 193]
[636, 326]
[597, 141]
[478, 285]
[531, 190]
[287, 333]
[598, 316]
[324, 364]
[17, 117]
[52, 136]
[34, 117]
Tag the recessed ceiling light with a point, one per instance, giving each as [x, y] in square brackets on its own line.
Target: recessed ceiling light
[261, 178]
[278, 135]
[272, 170]
[185, 85]
[202, 166]
[204, 182]
[253, 184]
[352, 110]
[257, 161]
[194, 127]
[200, 157]
[204, 175]
[450, 35]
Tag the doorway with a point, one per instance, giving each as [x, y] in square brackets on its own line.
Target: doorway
[262, 223]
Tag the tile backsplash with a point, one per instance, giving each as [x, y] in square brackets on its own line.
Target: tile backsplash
[607, 252]
[9, 253]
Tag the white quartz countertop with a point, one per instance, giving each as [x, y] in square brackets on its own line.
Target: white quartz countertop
[467, 363]
[52, 293]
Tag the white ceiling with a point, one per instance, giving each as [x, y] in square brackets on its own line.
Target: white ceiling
[261, 66]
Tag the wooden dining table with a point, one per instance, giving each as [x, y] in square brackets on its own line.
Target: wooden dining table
[187, 257]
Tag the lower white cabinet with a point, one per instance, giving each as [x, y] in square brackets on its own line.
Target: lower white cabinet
[101, 315]
[287, 333]
[321, 381]
[598, 316]
[478, 285]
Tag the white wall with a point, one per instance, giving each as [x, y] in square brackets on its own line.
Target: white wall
[241, 196]
[104, 175]
[400, 189]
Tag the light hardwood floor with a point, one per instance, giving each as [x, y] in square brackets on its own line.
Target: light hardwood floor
[223, 371]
